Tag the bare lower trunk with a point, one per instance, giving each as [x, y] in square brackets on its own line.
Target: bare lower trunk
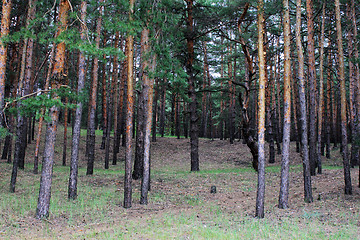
[74, 162]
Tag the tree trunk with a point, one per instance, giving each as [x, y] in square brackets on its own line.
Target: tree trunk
[74, 162]
[194, 132]
[162, 109]
[104, 103]
[148, 102]
[260, 197]
[347, 177]
[115, 98]
[269, 89]
[23, 89]
[321, 92]
[43, 205]
[328, 107]
[140, 131]
[285, 161]
[129, 113]
[155, 111]
[354, 90]
[92, 104]
[5, 28]
[41, 120]
[303, 116]
[312, 88]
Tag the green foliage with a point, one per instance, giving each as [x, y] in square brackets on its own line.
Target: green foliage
[44, 100]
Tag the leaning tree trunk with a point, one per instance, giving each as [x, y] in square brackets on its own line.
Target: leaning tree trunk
[43, 205]
[74, 162]
[347, 177]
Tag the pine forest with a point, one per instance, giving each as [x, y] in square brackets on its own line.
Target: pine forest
[179, 119]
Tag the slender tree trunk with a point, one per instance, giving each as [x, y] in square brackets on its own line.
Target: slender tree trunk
[185, 120]
[155, 111]
[148, 97]
[231, 102]
[109, 122]
[74, 162]
[92, 105]
[321, 91]
[303, 116]
[194, 133]
[347, 177]
[357, 80]
[162, 109]
[269, 117]
[140, 130]
[5, 29]
[260, 197]
[312, 88]
[177, 117]
[43, 205]
[116, 97]
[65, 135]
[23, 89]
[354, 81]
[285, 161]
[129, 113]
[104, 103]
[328, 107]
[41, 120]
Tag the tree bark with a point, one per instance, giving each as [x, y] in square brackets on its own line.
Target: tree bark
[43, 205]
[5, 29]
[312, 88]
[285, 161]
[260, 197]
[129, 113]
[74, 162]
[321, 91]
[23, 89]
[347, 177]
[92, 104]
[303, 116]
[115, 99]
[354, 85]
[148, 102]
[194, 132]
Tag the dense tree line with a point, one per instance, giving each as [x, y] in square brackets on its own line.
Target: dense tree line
[196, 68]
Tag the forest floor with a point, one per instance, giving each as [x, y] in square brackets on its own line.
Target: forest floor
[180, 203]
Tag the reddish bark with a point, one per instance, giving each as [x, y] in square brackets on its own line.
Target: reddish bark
[129, 113]
[92, 104]
[347, 177]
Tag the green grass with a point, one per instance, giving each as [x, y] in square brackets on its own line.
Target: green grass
[97, 212]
